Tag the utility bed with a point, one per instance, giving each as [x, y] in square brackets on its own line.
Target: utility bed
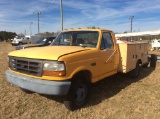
[130, 53]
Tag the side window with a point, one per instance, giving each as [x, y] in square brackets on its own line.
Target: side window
[106, 41]
[63, 39]
[103, 45]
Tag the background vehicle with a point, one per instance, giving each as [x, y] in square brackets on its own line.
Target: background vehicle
[40, 42]
[76, 58]
[18, 40]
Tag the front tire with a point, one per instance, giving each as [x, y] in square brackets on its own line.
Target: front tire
[77, 95]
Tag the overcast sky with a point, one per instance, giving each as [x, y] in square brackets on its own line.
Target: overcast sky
[16, 15]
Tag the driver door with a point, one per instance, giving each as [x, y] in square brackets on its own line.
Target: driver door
[108, 56]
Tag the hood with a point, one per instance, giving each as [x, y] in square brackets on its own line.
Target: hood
[48, 52]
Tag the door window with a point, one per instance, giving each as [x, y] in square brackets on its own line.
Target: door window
[107, 42]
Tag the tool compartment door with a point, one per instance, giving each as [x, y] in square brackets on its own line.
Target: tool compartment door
[130, 53]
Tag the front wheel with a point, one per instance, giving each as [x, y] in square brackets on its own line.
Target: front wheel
[77, 95]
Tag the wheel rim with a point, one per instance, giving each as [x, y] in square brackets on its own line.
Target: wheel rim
[80, 94]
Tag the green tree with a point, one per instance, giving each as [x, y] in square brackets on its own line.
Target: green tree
[4, 35]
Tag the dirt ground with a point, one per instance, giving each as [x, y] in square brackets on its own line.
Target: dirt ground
[116, 97]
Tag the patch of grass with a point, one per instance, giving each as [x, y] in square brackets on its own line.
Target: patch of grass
[116, 97]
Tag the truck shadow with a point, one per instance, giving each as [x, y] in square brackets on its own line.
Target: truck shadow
[108, 87]
[112, 85]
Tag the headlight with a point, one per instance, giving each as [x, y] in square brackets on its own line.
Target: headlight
[53, 68]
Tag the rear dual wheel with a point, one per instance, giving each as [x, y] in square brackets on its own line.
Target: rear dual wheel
[153, 60]
[135, 72]
[146, 64]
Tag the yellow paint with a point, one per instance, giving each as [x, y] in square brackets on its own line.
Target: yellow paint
[100, 63]
[130, 53]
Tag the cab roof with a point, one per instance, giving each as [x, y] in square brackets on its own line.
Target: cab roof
[87, 29]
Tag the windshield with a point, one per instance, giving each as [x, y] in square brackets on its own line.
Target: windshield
[81, 38]
[40, 41]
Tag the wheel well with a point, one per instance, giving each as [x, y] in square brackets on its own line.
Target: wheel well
[85, 73]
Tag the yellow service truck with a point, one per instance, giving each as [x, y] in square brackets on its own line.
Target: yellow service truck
[76, 58]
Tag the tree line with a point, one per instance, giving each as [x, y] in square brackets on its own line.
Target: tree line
[6, 36]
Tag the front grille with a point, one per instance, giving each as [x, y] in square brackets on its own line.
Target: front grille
[26, 66]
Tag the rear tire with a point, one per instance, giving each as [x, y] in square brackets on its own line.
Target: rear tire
[135, 72]
[78, 94]
[153, 60]
[146, 65]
